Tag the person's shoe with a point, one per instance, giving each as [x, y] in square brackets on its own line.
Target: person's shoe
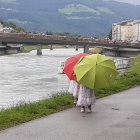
[89, 109]
[75, 100]
[82, 109]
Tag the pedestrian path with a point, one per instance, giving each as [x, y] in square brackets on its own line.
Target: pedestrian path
[116, 117]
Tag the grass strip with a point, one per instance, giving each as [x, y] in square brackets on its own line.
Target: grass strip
[28, 111]
[129, 79]
[121, 83]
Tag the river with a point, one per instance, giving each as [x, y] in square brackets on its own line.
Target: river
[27, 77]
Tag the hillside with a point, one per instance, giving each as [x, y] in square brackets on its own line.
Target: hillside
[86, 17]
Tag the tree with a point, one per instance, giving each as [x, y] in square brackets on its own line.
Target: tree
[110, 35]
[12, 25]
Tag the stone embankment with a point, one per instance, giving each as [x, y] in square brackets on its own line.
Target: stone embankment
[10, 49]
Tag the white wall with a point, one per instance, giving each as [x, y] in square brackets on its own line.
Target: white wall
[1, 27]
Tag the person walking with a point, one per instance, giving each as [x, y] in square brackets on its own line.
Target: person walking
[86, 98]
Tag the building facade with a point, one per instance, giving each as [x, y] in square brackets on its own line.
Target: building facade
[126, 31]
[1, 27]
[5, 29]
[136, 28]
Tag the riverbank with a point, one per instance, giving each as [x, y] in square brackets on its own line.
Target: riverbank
[28, 48]
[114, 117]
[29, 111]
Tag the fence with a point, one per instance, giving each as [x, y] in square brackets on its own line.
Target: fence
[123, 63]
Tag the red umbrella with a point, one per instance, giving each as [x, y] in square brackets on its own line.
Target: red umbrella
[70, 64]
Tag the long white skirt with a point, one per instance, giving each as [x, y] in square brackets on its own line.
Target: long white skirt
[86, 96]
[74, 88]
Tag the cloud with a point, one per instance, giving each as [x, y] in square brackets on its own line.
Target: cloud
[136, 2]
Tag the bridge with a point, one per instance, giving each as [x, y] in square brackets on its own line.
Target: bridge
[29, 38]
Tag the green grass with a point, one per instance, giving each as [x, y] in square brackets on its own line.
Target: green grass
[28, 111]
[70, 9]
[130, 78]
[121, 83]
[79, 8]
[135, 69]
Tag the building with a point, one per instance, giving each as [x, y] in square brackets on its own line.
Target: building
[5, 29]
[116, 31]
[128, 30]
[1, 27]
[136, 28]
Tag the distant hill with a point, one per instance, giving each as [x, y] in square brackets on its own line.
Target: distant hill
[85, 17]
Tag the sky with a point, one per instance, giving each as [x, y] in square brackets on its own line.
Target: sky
[136, 2]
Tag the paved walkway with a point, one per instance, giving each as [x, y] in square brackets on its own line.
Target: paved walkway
[116, 117]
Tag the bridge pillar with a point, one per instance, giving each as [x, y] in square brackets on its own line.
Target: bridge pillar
[39, 50]
[117, 52]
[66, 46]
[76, 48]
[86, 49]
[4, 44]
[51, 47]
[2, 49]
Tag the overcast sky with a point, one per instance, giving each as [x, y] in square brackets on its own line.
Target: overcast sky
[136, 2]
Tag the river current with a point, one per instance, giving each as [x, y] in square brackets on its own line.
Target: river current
[27, 77]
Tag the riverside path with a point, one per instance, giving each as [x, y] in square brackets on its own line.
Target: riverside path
[116, 117]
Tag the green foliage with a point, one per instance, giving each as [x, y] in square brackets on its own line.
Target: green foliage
[12, 25]
[83, 17]
[68, 34]
[28, 111]
[136, 60]
[72, 8]
[8, 24]
[110, 35]
[130, 78]
[135, 68]
[121, 83]
[19, 29]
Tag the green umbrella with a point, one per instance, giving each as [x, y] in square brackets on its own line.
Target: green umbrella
[95, 71]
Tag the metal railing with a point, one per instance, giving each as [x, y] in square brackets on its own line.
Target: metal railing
[123, 63]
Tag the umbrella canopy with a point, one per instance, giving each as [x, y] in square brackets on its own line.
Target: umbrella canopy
[70, 64]
[95, 71]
